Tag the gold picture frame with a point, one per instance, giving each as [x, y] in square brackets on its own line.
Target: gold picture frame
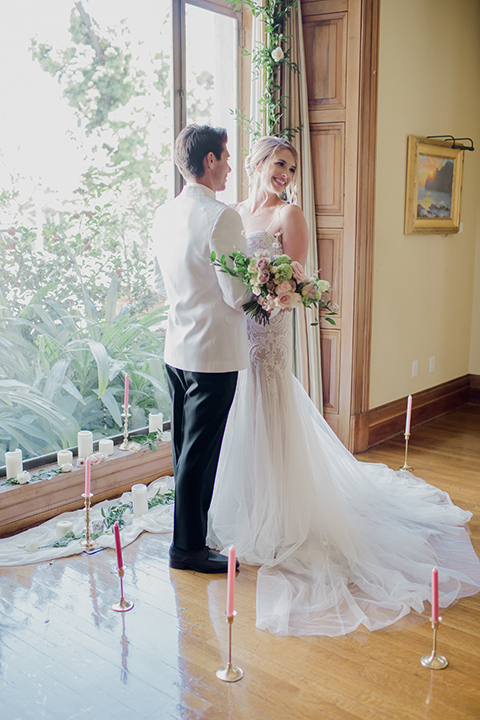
[434, 187]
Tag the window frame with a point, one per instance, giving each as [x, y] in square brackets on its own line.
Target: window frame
[179, 71]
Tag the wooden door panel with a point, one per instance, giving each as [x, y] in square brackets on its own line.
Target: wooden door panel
[326, 35]
[329, 252]
[328, 155]
[330, 356]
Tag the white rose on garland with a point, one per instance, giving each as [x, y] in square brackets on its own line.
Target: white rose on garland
[22, 478]
[277, 54]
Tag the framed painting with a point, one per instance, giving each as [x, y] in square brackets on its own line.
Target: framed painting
[434, 187]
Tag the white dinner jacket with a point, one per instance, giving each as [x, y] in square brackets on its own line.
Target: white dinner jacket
[206, 329]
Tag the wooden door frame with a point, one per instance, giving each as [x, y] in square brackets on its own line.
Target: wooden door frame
[365, 225]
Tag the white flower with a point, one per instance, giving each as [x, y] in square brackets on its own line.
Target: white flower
[66, 467]
[97, 526]
[23, 478]
[323, 285]
[277, 54]
[32, 546]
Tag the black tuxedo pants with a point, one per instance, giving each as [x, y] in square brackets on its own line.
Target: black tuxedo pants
[200, 407]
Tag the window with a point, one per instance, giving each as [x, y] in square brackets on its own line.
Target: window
[93, 93]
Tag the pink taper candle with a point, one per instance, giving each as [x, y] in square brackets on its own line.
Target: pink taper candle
[409, 415]
[127, 385]
[118, 545]
[434, 595]
[232, 569]
[87, 477]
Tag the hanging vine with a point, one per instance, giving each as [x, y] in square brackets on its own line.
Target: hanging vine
[268, 62]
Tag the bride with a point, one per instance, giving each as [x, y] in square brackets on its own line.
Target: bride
[340, 542]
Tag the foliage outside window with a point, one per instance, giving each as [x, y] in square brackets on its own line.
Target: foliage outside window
[77, 306]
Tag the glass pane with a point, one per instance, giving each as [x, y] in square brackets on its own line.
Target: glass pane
[211, 79]
[86, 107]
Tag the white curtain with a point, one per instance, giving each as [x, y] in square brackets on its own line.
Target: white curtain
[307, 359]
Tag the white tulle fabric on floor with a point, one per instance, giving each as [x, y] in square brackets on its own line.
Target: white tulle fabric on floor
[340, 542]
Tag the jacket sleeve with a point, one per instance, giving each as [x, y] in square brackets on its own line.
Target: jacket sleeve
[228, 235]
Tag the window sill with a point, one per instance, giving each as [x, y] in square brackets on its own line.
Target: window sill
[22, 506]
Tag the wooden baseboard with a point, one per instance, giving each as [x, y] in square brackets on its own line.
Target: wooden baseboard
[23, 506]
[388, 420]
[474, 396]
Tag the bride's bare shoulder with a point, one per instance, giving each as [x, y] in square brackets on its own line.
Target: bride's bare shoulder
[291, 211]
[237, 206]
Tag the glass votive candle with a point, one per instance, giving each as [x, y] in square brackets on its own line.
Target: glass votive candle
[64, 456]
[105, 446]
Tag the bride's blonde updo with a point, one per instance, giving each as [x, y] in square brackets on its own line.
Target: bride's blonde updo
[263, 150]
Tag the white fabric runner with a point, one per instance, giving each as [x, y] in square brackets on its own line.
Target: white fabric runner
[22, 549]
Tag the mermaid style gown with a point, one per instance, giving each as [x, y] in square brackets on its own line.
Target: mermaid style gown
[340, 542]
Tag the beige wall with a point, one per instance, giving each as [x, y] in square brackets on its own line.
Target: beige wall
[475, 344]
[425, 287]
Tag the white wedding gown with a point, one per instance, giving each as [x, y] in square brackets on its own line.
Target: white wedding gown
[340, 542]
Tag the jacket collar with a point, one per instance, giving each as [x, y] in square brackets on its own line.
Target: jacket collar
[193, 188]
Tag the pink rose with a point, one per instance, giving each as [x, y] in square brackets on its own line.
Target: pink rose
[263, 277]
[309, 291]
[298, 271]
[285, 287]
[263, 264]
[285, 301]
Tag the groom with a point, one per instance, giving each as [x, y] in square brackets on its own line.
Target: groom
[206, 340]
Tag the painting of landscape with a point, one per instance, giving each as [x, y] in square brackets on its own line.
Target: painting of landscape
[435, 183]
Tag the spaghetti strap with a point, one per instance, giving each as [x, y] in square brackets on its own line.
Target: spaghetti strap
[274, 218]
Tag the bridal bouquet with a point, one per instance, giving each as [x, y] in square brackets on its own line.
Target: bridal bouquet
[276, 283]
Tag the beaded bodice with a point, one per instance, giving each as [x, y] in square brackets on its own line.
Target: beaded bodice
[270, 346]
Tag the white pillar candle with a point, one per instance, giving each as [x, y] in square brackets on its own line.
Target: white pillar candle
[63, 527]
[160, 487]
[85, 443]
[105, 446]
[64, 456]
[139, 499]
[155, 422]
[13, 461]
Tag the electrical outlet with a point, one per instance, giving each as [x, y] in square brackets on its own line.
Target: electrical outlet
[431, 367]
[415, 368]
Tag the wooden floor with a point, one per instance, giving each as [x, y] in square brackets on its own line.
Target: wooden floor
[65, 654]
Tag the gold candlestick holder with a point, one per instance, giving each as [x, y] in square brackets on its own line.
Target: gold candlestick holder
[405, 465]
[88, 543]
[126, 443]
[230, 673]
[434, 661]
[122, 605]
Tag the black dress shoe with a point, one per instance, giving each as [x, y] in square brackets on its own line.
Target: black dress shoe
[203, 561]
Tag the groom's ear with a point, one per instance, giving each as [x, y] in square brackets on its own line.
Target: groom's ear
[209, 161]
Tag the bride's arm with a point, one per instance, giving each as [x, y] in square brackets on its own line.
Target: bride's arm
[294, 233]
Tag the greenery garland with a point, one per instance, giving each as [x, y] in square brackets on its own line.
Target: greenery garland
[268, 60]
[115, 513]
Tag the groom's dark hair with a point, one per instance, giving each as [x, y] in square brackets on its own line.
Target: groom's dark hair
[192, 145]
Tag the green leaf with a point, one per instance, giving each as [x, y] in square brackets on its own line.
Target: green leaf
[100, 355]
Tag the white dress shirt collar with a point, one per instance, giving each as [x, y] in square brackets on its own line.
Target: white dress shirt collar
[195, 188]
